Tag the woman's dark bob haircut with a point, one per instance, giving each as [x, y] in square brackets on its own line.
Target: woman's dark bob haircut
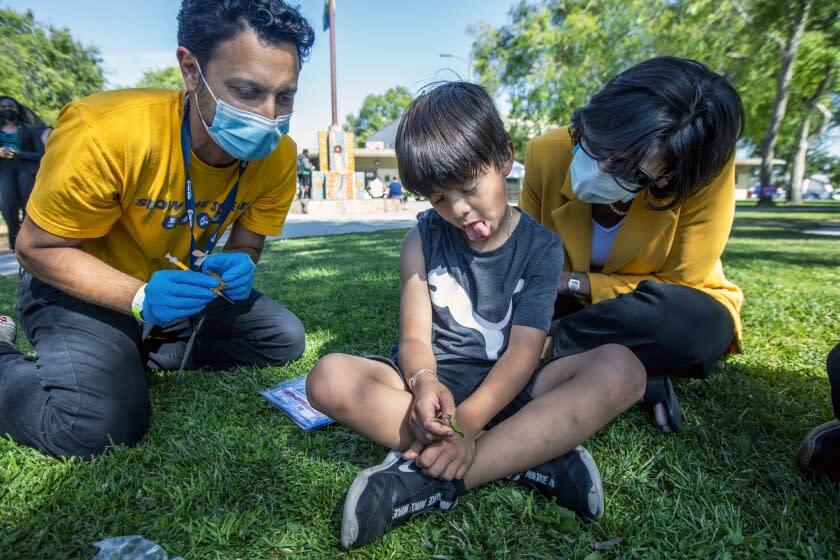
[675, 107]
[203, 24]
[449, 135]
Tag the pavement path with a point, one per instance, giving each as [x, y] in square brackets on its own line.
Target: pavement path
[308, 225]
[314, 225]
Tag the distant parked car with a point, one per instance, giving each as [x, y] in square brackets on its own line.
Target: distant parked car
[810, 195]
[767, 190]
[818, 187]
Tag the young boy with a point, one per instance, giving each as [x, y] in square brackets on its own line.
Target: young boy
[464, 399]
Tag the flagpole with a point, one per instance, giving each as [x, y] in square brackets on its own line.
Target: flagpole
[332, 64]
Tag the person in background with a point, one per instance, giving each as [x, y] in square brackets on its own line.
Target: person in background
[819, 452]
[21, 150]
[134, 180]
[395, 191]
[641, 187]
[304, 173]
[376, 188]
[464, 399]
[45, 131]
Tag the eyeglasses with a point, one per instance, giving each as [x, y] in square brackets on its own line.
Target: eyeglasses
[646, 180]
[641, 179]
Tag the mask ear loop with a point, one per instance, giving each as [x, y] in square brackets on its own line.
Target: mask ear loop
[207, 86]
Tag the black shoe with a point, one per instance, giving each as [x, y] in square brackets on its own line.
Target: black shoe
[572, 480]
[8, 330]
[820, 450]
[388, 495]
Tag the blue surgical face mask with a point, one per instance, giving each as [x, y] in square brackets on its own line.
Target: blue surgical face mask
[593, 186]
[242, 134]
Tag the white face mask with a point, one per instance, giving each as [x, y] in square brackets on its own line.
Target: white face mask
[593, 186]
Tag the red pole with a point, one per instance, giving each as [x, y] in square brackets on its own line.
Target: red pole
[332, 64]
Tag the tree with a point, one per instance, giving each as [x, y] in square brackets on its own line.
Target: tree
[554, 55]
[787, 40]
[823, 162]
[46, 68]
[377, 112]
[165, 78]
[817, 69]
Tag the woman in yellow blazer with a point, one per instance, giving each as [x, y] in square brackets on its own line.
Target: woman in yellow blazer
[641, 187]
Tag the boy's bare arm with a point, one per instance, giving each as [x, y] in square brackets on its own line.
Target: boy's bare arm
[415, 308]
[506, 379]
[431, 397]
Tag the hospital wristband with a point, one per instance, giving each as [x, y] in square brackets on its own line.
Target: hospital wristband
[137, 304]
[412, 381]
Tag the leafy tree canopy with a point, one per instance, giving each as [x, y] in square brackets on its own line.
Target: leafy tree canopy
[165, 78]
[377, 112]
[46, 68]
[553, 55]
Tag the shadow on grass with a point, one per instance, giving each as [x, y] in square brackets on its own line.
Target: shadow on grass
[779, 241]
[732, 255]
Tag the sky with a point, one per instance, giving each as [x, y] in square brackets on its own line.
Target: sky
[379, 44]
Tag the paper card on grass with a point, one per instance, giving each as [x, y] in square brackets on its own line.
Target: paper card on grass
[290, 397]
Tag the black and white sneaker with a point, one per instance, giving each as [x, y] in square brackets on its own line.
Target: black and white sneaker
[572, 480]
[388, 495]
[8, 330]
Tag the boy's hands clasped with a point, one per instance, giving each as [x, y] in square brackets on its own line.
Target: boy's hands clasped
[438, 450]
[177, 294]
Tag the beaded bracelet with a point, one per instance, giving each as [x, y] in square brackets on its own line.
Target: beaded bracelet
[412, 381]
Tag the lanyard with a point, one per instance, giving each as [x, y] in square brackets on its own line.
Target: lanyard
[189, 195]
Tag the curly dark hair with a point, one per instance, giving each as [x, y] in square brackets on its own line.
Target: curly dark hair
[203, 24]
[675, 105]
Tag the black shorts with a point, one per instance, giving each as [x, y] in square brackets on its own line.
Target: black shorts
[463, 377]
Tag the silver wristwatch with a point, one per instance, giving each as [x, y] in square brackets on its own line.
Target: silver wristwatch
[573, 284]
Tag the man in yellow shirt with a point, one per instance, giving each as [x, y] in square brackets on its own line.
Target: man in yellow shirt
[137, 187]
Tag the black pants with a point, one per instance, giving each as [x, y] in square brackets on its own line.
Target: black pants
[87, 385]
[832, 366]
[17, 177]
[673, 330]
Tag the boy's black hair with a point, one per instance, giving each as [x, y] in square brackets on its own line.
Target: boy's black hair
[449, 135]
[203, 24]
[676, 105]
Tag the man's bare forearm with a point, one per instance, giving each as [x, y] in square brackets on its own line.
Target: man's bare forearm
[64, 264]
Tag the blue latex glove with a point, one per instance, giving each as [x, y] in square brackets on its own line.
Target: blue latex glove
[236, 270]
[176, 294]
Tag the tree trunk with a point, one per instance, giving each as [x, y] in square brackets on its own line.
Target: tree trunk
[798, 173]
[804, 137]
[768, 145]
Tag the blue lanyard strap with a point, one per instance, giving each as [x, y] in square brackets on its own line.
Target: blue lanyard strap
[189, 195]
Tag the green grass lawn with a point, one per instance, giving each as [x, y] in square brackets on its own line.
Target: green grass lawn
[223, 474]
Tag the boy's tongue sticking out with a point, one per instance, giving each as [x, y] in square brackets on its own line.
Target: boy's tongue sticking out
[477, 231]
